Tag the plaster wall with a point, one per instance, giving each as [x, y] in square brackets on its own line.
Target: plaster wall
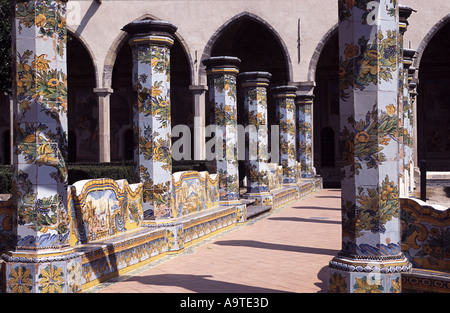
[99, 25]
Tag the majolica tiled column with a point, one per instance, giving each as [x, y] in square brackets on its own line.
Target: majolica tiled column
[405, 143]
[150, 42]
[222, 72]
[412, 101]
[370, 259]
[304, 134]
[285, 101]
[408, 118]
[41, 260]
[255, 86]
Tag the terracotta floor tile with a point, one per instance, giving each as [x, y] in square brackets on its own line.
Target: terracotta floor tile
[285, 251]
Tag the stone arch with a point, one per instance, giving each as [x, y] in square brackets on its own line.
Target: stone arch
[82, 114]
[432, 109]
[318, 51]
[324, 70]
[121, 39]
[88, 50]
[252, 17]
[426, 40]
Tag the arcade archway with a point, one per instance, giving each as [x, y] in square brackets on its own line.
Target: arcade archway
[433, 105]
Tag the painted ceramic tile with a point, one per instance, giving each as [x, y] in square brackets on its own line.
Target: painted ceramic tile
[20, 278]
[304, 137]
[286, 115]
[152, 125]
[41, 132]
[223, 99]
[189, 193]
[255, 106]
[100, 208]
[369, 85]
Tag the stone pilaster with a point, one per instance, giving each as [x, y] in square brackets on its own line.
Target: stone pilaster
[104, 125]
[41, 260]
[304, 105]
[199, 93]
[222, 72]
[150, 42]
[255, 86]
[285, 101]
[370, 259]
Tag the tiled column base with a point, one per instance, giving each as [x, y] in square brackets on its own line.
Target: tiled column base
[43, 273]
[350, 276]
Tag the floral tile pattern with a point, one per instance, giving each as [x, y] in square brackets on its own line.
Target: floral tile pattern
[285, 101]
[40, 130]
[151, 117]
[425, 235]
[304, 136]
[371, 130]
[222, 72]
[257, 141]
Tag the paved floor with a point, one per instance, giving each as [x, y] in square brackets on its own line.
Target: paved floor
[283, 251]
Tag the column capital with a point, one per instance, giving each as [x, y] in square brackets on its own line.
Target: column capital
[151, 31]
[409, 53]
[404, 13]
[222, 64]
[255, 79]
[304, 98]
[102, 92]
[287, 91]
[198, 88]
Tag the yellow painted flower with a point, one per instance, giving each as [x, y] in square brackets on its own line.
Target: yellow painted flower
[163, 103]
[391, 110]
[337, 283]
[427, 249]
[155, 91]
[367, 68]
[40, 20]
[155, 62]
[385, 140]
[351, 50]
[53, 82]
[20, 281]
[40, 63]
[51, 279]
[374, 286]
[362, 136]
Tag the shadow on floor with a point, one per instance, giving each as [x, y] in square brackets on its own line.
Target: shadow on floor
[272, 246]
[300, 219]
[199, 283]
[328, 197]
[316, 208]
[322, 276]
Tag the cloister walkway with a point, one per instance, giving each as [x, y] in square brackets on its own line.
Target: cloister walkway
[287, 250]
